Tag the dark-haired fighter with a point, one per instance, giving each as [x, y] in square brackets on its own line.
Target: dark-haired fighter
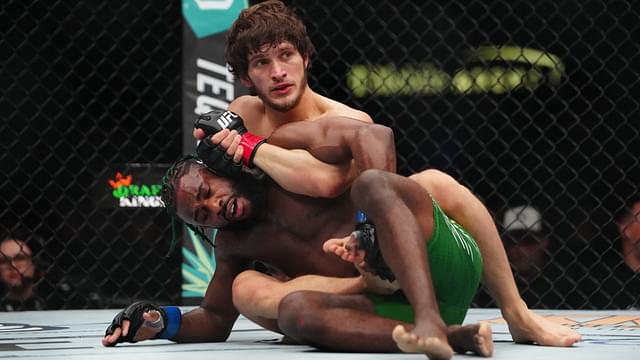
[288, 230]
[275, 67]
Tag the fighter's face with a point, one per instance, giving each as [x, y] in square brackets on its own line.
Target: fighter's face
[15, 263]
[205, 199]
[278, 74]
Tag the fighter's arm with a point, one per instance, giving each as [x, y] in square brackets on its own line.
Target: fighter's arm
[295, 170]
[348, 144]
[213, 320]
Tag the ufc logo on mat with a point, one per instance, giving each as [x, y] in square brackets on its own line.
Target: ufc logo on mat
[225, 119]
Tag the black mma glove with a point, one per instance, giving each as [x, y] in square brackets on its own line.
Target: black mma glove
[217, 159]
[216, 120]
[365, 235]
[170, 320]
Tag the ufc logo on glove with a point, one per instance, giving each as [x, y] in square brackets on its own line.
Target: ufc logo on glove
[226, 118]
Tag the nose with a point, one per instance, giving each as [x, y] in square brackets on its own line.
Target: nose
[278, 72]
[216, 206]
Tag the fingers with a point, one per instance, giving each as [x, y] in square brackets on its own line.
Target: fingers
[110, 340]
[237, 156]
[230, 141]
[151, 327]
[153, 319]
[125, 327]
[198, 134]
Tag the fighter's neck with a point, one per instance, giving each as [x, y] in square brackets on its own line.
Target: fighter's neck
[311, 105]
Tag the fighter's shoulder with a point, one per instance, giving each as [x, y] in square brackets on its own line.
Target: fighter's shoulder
[248, 107]
[232, 243]
[340, 109]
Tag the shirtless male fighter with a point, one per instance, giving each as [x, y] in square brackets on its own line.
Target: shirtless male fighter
[278, 76]
[261, 221]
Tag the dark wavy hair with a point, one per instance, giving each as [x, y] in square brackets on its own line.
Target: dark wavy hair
[267, 23]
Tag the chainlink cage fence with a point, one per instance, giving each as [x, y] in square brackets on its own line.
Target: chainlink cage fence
[532, 105]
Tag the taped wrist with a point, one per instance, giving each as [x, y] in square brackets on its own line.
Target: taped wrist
[133, 313]
[250, 144]
[172, 320]
[365, 235]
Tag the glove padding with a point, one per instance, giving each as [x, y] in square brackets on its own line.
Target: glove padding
[365, 235]
[133, 313]
[216, 120]
[217, 159]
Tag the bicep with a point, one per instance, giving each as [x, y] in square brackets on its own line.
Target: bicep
[326, 139]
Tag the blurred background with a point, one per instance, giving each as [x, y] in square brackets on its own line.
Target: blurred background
[534, 106]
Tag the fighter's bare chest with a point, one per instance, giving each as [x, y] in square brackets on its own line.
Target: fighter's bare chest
[299, 227]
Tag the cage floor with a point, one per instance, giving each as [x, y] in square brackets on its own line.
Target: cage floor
[76, 334]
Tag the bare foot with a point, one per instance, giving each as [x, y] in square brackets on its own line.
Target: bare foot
[476, 338]
[532, 328]
[409, 342]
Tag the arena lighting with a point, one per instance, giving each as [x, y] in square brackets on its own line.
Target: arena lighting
[491, 70]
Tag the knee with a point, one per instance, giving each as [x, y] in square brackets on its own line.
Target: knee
[371, 185]
[247, 290]
[296, 315]
[442, 187]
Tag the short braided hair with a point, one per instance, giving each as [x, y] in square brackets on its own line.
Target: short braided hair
[168, 195]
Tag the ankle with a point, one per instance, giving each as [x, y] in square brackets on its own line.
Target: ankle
[515, 311]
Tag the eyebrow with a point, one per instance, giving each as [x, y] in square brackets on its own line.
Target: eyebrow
[197, 211]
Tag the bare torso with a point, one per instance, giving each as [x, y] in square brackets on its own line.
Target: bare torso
[291, 234]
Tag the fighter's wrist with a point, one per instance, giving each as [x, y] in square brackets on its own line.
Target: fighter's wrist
[172, 322]
[250, 143]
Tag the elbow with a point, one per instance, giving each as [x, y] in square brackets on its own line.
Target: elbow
[379, 141]
[380, 133]
[327, 187]
[328, 184]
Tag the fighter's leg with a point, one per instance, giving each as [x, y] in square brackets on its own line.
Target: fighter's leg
[461, 205]
[349, 323]
[257, 295]
[403, 216]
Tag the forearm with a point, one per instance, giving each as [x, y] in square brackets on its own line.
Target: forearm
[299, 172]
[198, 325]
[337, 149]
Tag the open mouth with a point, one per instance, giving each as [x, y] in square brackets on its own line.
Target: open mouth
[281, 88]
[230, 209]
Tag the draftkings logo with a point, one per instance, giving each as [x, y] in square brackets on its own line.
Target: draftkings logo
[131, 195]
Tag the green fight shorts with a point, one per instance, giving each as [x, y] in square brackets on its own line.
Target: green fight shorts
[456, 269]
